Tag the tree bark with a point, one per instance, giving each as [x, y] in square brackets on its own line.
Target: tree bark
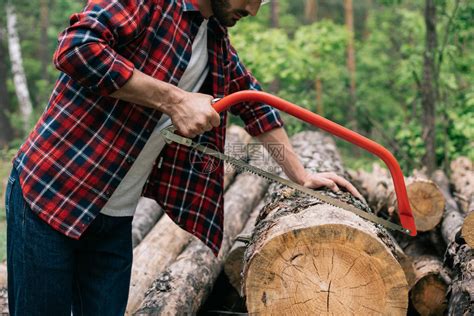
[428, 291]
[428, 89]
[460, 259]
[19, 77]
[234, 262]
[452, 218]
[426, 199]
[310, 12]
[462, 177]
[351, 65]
[146, 215]
[184, 286]
[44, 54]
[152, 256]
[310, 258]
[3, 289]
[7, 131]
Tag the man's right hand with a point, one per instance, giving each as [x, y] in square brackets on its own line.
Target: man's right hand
[191, 113]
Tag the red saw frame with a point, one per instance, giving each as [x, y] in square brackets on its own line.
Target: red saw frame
[404, 209]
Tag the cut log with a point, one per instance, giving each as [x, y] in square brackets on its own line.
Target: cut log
[428, 292]
[234, 262]
[426, 200]
[146, 215]
[151, 257]
[460, 259]
[452, 218]
[183, 287]
[462, 177]
[236, 141]
[309, 258]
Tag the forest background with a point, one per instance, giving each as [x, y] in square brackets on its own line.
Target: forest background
[399, 72]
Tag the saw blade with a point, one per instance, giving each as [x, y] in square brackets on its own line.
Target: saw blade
[171, 137]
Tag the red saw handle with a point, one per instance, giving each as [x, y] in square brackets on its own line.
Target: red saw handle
[404, 209]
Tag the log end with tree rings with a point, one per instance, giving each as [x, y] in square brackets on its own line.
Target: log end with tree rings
[467, 230]
[323, 260]
[427, 203]
[428, 294]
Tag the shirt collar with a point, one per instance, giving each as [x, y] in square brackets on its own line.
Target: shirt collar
[190, 5]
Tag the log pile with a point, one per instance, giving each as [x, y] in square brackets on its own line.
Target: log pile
[287, 253]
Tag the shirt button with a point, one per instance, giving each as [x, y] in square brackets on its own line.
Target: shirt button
[130, 160]
[108, 193]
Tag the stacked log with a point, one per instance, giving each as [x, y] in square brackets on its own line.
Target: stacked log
[426, 199]
[462, 177]
[459, 256]
[146, 215]
[234, 262]
[3, 289]
[182, 288]
[151, 257]
[428, 291]
[306, 257]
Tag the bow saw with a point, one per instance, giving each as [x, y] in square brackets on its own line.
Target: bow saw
[404, 210]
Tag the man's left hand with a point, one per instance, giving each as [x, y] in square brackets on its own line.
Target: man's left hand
[330, 180]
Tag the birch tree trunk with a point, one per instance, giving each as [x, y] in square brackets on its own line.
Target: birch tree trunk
[146, 215]
[6, 135]
[19, 77]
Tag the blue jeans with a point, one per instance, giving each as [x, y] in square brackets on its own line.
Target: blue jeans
[51, 274]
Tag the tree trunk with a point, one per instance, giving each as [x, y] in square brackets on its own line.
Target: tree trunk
[146, 215]
[351, 66]
[452, 218]
[7, 131]
[234, 262]
[311, 10]
[44, 54]
[428, 89]
[310, 258]
[428, 291]
[426, 199]
[462, 177]
[152, 256]
[236, 141]
[19, 77]
[184, 286]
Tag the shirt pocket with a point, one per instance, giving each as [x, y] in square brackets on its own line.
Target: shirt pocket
[8, 194]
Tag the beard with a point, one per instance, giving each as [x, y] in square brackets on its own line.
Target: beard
[223, 12]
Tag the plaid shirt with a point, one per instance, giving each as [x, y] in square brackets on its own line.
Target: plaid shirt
[86, 141]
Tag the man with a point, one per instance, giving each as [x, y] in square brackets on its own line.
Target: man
[129, 68]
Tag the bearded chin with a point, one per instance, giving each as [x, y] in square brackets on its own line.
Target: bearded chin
[221, 12]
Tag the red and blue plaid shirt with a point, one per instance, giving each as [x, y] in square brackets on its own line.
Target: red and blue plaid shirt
[86, 141]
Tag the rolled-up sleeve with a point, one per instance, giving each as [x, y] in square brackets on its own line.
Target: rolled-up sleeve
[86, 50]
[257, 117]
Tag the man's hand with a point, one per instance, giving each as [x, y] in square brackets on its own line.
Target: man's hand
[332, 181]
[191, 113]
[293, 168]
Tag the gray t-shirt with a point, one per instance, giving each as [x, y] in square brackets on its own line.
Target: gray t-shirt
[124, 200]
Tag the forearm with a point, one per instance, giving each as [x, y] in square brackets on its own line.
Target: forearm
[288, 160]
[150, 92]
